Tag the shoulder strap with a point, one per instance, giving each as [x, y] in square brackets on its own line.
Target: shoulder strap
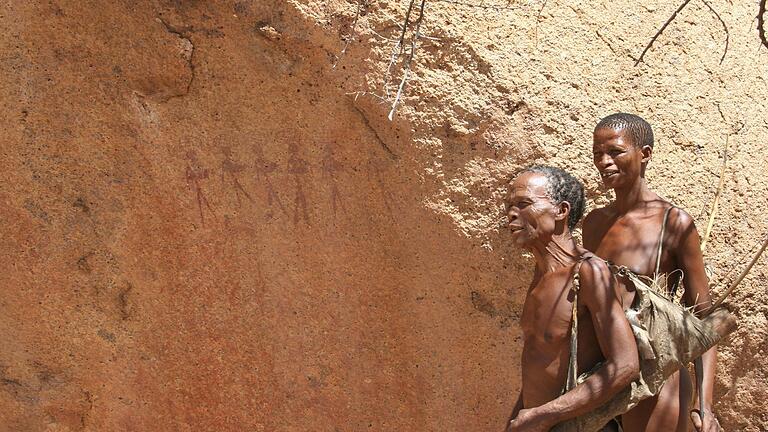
[661, 240]
[573, 366]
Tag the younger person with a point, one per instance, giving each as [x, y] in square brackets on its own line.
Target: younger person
[650, 236]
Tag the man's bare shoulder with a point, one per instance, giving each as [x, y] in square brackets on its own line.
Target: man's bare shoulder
[600, 214]
[593, 270]
[679, 221]
[680, 218]
[594, 226]
[595, 281]
[598, 217]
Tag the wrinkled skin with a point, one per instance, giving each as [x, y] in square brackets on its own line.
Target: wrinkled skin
[540, 226]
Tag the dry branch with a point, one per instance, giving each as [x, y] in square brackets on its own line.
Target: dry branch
[407, 65]
[716, 200]
[351, 34]
[761, 23]
[481, 5]
[725, 27]
[405, 27]
[741, 276]
[397, 50]
[658, 33]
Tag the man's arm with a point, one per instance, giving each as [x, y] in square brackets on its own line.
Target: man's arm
[617, 344]
[687, 252]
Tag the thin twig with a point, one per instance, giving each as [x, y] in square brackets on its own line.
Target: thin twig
[716, 201]
[741, 276]
[351, 35]
[357, 94]
[725, 27]
[398, 48]
[407, 65]
[482, 5]
[405, 26]
[761, 23]
[382, 36]
[658, 33]
[743, 257]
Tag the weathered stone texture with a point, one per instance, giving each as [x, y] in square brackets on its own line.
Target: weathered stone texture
[208, 226]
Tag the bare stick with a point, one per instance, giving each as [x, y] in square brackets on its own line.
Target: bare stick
[716, 201]
[761, 23]
[405, 26]
[741, 276]
[351, 35]
[398, 48]
[479, 6]
[658, 33]
[725, 27]
[407, 65]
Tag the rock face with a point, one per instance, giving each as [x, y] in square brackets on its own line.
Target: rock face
[210, 224]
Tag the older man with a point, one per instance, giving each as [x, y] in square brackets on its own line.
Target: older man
[572, 302]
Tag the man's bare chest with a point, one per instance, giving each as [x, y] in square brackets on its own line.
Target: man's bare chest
[631, 242]
[547, 313]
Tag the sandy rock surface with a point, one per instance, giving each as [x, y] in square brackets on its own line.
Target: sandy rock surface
[209, 223]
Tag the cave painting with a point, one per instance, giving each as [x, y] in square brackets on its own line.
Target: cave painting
[299, 168]
[232, 169]
[195, 174]
[264, 169]
[330, 167]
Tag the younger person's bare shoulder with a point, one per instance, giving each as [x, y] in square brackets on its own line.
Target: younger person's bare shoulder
[598, 216]
[594, 224]
[680, 224]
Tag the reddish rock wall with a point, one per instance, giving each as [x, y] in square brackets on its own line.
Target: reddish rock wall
[206, 226]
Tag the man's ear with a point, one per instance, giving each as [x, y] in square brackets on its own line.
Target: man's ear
[647, 152]
[563, 210]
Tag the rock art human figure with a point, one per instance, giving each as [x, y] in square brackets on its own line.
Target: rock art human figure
[572, 298]
[650, 236]
[299, 168]
[264, 169]
[330, 168]
[233, 169]
[195, 174]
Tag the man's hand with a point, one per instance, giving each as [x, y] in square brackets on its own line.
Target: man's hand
[528, 421]
[708, 424]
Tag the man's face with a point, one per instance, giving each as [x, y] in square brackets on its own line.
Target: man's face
[617, 159]
[530, 210]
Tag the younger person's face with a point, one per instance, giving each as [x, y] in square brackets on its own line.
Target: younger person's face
[615, 156]
[531, 212]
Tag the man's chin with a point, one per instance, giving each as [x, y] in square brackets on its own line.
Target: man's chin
[520, 240]
[612, 182]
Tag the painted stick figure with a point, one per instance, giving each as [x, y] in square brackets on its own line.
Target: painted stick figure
[194, 175]
[264, 169]
[330, 167]
[232, 169]
[299, 168]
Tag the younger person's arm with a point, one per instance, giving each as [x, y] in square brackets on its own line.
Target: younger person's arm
[688, 257]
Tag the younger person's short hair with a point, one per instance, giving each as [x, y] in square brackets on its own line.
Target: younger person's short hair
[562, 186]
[637, 128]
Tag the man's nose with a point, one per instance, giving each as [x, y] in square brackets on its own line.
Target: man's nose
[603, 161]
[512, 214]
